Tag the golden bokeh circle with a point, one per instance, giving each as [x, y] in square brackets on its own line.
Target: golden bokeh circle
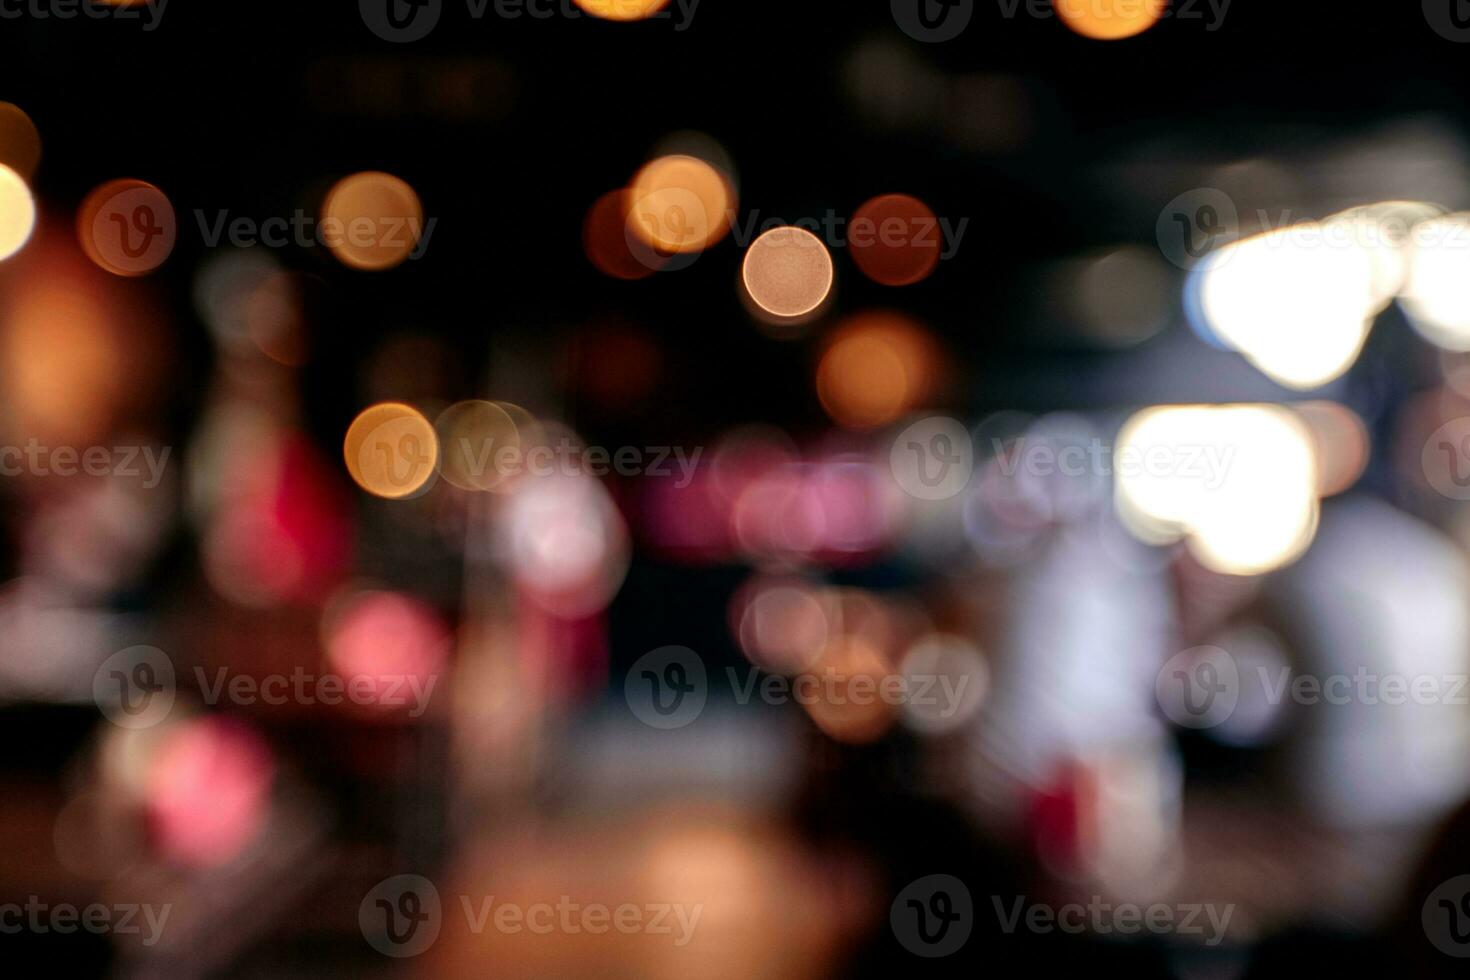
[391, 450]
[17, 212]
[1109, 20]
[476, 439]
[679, 204]
[622, 10]
[787, 272]
[876, 367]
[372, 220]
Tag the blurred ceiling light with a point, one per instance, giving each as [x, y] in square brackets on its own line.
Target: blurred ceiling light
[895, 239]
[17, 212]
[275, 320]
[208, 790]
[1297, 302]
[472, 436]
[395, 642]
[624, 10]
[787, 272]
[20, 141]
[1110, 20]
[947, 680]
[277, 529]
[781, 624]
[779, 516]
[566, 543]
[609, 247]
[1385, 230]
[1340, 438]
[391, 450]
[74, 353]
[1239, 482]
[1436, 294]
[372, 220]
[876, 367]
[222, 289]
[853, 701]
[1120, 297]
[680, 204]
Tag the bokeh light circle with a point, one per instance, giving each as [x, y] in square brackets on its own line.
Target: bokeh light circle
[787, 272]
[17, 212]
[372, 221]
[391, 450]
